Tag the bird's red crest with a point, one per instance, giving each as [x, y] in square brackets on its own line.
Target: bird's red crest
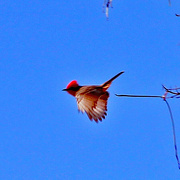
[73, 83]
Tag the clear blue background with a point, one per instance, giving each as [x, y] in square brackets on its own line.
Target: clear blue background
[45, 45]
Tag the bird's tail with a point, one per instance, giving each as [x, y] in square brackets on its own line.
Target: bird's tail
[107, 84]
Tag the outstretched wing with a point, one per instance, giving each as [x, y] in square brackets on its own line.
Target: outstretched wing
[94, 103]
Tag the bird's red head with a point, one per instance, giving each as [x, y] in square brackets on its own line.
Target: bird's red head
[72, 87]
[73, 83]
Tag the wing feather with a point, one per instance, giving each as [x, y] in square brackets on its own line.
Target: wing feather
[94, 103]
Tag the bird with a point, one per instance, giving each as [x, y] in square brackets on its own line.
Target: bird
[91, 99]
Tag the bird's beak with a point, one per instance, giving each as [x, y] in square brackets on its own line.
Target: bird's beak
[64, 90]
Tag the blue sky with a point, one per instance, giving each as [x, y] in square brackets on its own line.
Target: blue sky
[45, 45]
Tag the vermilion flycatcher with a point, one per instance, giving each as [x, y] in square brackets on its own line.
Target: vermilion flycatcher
[91, 99]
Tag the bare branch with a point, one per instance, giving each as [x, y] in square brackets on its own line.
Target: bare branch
[106, 5]
[172, 91]
[176, 94]
[128, 95]
[174, 133]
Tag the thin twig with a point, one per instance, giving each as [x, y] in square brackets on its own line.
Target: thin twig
[129, 95]
[176, 94]
[174, 132]
[171, 91]
[106, 5]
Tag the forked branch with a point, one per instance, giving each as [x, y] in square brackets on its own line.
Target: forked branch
[169, 93]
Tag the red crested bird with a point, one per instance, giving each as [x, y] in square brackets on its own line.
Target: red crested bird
[91, 99]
